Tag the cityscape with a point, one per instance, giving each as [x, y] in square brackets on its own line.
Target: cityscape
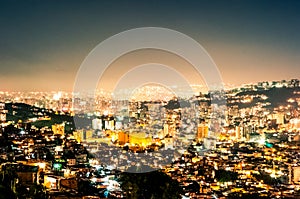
[255, 152]
[149, 99]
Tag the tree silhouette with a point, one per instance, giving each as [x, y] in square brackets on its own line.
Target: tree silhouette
[6, 193]
[149, 185]
[225, 176]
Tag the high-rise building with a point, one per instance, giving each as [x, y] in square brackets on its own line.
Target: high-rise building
[238, 132]
[202, 131]
[296, 175]
[166, 129]
[97, 124]
[278, 117]
[2, 112]
[111, 125]
[246, 131]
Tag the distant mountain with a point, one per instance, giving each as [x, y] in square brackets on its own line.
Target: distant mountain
[275, 96]
[23, 112]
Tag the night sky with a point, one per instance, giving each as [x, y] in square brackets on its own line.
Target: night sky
[42, 43]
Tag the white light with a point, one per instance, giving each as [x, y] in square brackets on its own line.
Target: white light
[262, 141]
[41, 165]
[273, 175]
[57, 96]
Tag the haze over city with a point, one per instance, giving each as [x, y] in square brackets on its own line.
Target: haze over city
[42, 44]
[149, 99]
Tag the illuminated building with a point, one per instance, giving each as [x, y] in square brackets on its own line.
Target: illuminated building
[140, 139]
[111, 125]
[89, 134]
[166, 129]
[79, 135]
[123, 138]
[82, 135]
[58, 129]
[2, 112]
[238, 132]
[202, 131]
[97, 124]
[51, 182]
[296, 175]
[245, 131]
[169, 142]
[295, 123]
[278, 117]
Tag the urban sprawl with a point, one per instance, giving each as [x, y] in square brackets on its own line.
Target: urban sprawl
[237, 143]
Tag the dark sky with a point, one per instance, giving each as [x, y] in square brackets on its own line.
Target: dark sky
[42, 43]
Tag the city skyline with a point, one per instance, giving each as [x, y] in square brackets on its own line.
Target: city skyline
[43, 44]
[149, 99]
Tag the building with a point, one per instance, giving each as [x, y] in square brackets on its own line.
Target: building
[58, 129]
[209, 143]
[296, 175]
[166, 129]
[278, 117]
[123, 138]
[51, 181]
[169, 142]
[140, 139]
[79, 135]
[97, 124]
[89, 134]
[202, 131]
[2, 112]
[27, 174]
[238, 132]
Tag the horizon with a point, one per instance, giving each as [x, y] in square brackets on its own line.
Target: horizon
[227, 87]
[43, 44]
